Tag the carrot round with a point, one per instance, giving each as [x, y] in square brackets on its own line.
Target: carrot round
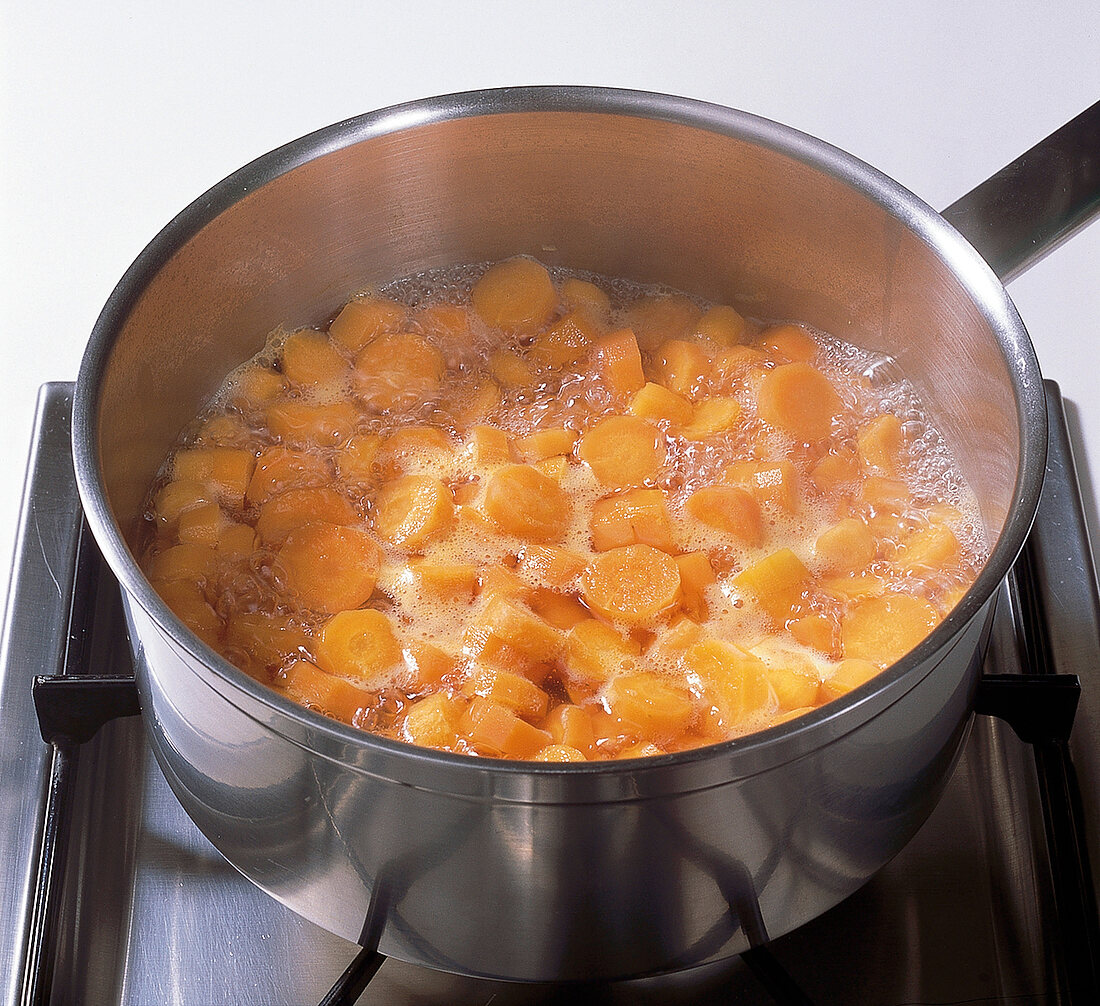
[516, 295]
[799, 400]
[631, 584]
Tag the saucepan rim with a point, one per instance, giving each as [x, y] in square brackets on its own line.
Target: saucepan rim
[794, 738]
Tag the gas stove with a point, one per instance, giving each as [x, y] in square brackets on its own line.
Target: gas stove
[110, 894]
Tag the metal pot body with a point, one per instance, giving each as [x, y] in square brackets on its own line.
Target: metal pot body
[522, 870]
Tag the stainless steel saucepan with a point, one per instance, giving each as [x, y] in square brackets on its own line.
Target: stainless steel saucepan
[535, 871]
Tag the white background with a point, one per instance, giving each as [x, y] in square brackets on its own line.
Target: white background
[116, 115]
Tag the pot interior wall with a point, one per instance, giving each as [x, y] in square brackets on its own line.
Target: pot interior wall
[716, 215]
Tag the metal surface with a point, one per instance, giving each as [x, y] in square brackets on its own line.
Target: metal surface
[153, 914]
[38, 602]
[659, 864]
[1029, 207]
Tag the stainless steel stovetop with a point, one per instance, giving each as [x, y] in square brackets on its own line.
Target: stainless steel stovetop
[992, 902]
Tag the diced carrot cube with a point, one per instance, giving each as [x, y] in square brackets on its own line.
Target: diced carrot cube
[546, 444]
[656, 402]
[571, 725]
[188, 603]
[553, 566]
[722, 325]
[512, 623]
[849, 674]
[936, 547]
[771, 482]
[511, 690]
[777, 583]
[565, 342]
[202, 524]
[499, 731]
[180, 495]
[560, 753]
[816, 631]
[429, 664]
[486, 445]
[619, 362]
[433, 721]
[844, 547]
[444, 581]
[836, 469]
[596, 651]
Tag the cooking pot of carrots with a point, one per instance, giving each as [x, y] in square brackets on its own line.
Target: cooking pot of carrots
[545, 861]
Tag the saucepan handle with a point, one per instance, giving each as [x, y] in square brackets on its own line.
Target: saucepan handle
[1035, 203]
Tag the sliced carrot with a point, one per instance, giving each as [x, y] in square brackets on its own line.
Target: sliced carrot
[497, 730]
[722, 325]
[681, 366]
[307, 684]
[362, 319]
[656, 402]
[661, 317]
[359, 644]
[260, 643]
[280, 468]
[283, 513]
[789, 342]
[301, 423]
[546, 444]
[734, 680]
[179, 495]
[729, 509]
[203, 524]
[309, 359]
[487, 445]
[556, 567]
[225, 470]
[880, 443]
[188, 603]
[511, 690]
[799, 400]
[559, 753]
[415, 450]
[773, 483]
[637, 516]
[511, 371]
[570, 725]
[523, 501]
[356, 460]
[657, 706]
[631, 584]
[696, 574]
[329, 567]
[712, 416]
[397, 373]
[410, 510]
[580, 295]
[884, 628]
[516, 295]
[623, 450]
